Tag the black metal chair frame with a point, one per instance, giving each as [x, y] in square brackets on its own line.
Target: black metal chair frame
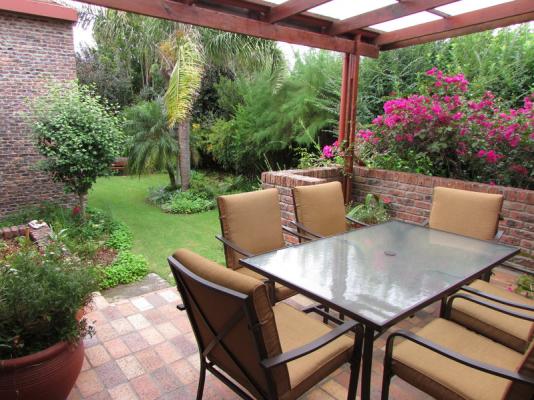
[189, 302]
[484, 367]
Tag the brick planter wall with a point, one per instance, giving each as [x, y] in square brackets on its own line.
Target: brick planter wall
[33, 50]
[411, 196]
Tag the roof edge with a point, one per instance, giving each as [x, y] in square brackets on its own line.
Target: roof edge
[39, 8]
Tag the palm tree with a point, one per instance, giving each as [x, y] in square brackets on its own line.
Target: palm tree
[183, 64]
[184, 56]
[152, 144]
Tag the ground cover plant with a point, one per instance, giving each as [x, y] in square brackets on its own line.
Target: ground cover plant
[97, 240]
[454, 134]
[156, 235]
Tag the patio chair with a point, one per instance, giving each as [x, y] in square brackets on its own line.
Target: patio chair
[251, 224]
[320, 210]
[273, 352]
[477, 215]
[466, 213]
[449, 361]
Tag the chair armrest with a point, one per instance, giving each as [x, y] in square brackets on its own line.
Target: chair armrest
[295, 233]
[497, 299]
[312, 346]
[452, 355]
[306, 230]
[234, 246]
[485, 304]
[518, 269]
[355, 221]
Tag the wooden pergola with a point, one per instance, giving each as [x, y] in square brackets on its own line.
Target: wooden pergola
[367, 33]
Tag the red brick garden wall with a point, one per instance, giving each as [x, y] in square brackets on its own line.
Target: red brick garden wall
[33, 51]
[411, 196]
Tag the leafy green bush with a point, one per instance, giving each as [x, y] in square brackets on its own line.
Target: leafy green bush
[188, 203]
[40, 295]
[412, 162]
[120, 238]
[78, 134]
[127, 268]
[205, 188]
[373, 210]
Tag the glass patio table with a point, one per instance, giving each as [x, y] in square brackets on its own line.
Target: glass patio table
[381, 274]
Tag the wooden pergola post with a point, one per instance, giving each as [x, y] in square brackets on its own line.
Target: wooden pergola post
[347, 114]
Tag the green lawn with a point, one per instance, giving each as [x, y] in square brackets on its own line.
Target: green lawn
[156, 234]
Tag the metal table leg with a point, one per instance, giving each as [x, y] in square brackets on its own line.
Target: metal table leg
[367, 362]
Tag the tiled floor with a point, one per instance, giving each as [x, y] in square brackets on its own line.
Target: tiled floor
[144, 349]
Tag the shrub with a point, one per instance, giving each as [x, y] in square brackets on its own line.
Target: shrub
[188, 203]
[39, 298]
[79, 135]
[205, 187]
[127, 268]
[464, 138]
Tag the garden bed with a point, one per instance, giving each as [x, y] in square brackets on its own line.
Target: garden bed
[97, 241]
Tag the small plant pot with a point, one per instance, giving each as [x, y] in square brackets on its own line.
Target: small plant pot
[48, 374]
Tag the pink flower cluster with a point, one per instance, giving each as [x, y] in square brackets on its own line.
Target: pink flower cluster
[455, 130]
[458, 81]
[332, 151]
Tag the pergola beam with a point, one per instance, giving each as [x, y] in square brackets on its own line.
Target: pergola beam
[475, 21]
[196, 15]
[292, 7]
[385, 14]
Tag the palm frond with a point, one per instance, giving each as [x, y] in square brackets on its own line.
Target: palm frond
[185, 77]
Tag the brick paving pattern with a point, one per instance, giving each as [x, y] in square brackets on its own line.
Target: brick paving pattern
[145, 349]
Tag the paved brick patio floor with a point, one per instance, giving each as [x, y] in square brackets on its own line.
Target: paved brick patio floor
[145, 349]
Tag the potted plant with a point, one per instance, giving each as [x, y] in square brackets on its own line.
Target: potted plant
[41, 325]
[374, 210]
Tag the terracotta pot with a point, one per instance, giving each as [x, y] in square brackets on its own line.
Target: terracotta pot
[49, 374]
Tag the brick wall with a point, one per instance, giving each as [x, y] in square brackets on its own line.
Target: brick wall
[411, 196]
[33, 51]
[285, 180]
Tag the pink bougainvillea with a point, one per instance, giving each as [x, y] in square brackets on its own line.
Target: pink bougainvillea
[464, 137]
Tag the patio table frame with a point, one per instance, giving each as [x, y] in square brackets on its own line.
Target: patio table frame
[373, 330]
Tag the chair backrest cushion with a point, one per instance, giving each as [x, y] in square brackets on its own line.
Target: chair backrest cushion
[252, 221]
[321, 208]
[465, 212]
[219, 308]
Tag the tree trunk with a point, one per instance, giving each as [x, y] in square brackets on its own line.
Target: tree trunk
[81, 204]
[172, 178]
[184, 129]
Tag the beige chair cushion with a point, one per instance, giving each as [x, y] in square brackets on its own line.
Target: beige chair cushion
[510, 331]
[443, 378]
[465, 213]
[280, 292]
[252, 221]
[321, 208]
[220, 309]
[296, 329]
